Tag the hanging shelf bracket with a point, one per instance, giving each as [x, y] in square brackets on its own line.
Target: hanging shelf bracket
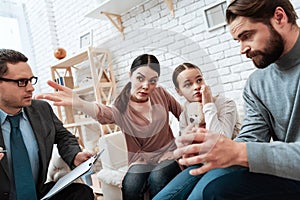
[170, 6]
[116, 20]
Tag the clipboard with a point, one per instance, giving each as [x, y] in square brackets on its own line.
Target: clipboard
[70, 177]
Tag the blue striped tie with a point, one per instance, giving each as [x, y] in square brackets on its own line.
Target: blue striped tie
[25, 186]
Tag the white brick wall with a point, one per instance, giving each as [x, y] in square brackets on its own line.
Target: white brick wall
[149, 28]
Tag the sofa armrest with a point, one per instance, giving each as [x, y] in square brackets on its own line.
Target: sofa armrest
[115, 150]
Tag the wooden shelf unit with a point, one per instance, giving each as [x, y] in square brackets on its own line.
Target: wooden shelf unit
[101, 87]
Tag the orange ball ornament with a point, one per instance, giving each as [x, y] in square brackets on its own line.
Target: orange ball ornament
[60, 53]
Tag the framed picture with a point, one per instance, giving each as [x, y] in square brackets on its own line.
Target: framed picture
[214, 15]
[86, 39]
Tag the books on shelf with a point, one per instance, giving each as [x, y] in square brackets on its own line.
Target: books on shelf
[65, 81]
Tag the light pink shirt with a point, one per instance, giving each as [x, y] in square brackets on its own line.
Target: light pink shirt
[149, 139]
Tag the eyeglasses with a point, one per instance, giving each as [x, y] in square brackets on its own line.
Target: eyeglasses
[22, 82]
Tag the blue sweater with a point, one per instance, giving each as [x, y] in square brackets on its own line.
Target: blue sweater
[272, 110]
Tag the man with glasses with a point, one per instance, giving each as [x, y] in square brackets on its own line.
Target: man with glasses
[31, 125]
[22, 82]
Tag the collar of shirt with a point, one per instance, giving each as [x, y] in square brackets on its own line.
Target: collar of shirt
[3, 116]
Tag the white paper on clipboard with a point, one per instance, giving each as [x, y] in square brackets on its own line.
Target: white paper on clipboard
[72, 175]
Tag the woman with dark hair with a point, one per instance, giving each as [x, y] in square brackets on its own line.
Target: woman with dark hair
[141, 110]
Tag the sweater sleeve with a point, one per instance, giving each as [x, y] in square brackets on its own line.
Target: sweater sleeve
[255, 126]
[105, 114]
[221, 116]
[277, 158]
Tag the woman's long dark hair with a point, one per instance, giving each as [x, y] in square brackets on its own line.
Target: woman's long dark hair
[151, 61]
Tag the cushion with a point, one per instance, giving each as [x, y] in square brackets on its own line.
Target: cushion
[112, 176]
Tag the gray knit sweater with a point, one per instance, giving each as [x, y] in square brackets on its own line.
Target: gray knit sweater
[272, 110]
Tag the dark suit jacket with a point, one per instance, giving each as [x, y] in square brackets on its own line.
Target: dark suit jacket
[48, 130]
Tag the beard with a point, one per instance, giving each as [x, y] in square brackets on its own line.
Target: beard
[272, 51]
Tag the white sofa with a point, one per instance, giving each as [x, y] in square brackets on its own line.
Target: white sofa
[114, 162]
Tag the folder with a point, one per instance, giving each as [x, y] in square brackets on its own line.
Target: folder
[70, 177]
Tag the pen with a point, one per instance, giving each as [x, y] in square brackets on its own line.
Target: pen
[3, 151]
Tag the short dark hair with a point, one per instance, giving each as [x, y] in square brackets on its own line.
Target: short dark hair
[10, 56]
[259, 10]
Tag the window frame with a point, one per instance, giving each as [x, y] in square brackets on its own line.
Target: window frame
[210, 7]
